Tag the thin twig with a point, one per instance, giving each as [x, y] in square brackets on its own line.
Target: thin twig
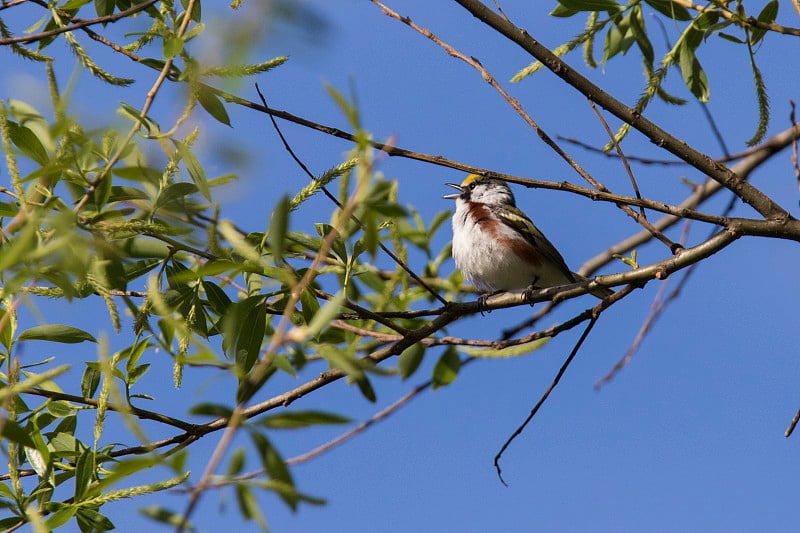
[338, 204]
[622, 157]
[377, 417]
[658, 306]
[79, 25]
[715, 130]
[148, 102]
[792, 425]
[708, 189]
[544, 397]
[735, 17]
[251, 384]
[143, 414]
[651, 161]
[500, 10]
[794, 158]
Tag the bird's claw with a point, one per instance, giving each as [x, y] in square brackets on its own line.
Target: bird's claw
[483, 301]
[528, 293]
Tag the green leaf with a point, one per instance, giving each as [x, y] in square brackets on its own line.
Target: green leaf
[27, 141]
[194, 167]
[172, 46]
[13, 432]
[59, 409]
[136, 373]
[212, 104]
[60, 517]
[309, 305]
[124, 193]
[563, 12]
[12, 523]
[165, 516]
[56, 333]
[670, 9]
[693, 74]
[275, 466]
[446, 369]
[8, 209]
[90, 520]
[639, 33]
[237, 462]
[410, 359]
[279, 223]
[591, 5]
[84, 472]
[323, 317]
[212, 409]
[350, 111]
[512, 351]
[104, 8]
[301, 419]
[617, 40]
[218, 300]
[767, 16]
[731, 38]
[244, 326]
[338, 246]
[39, 457]
[175, 191]
[365, 386]
[281, 362]
[196, 10]
[248, 505]
[7, 332]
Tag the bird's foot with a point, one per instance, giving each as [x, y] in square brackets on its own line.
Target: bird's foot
[483, 299]
[528, 292]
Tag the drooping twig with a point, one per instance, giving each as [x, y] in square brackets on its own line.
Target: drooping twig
[353, 217]
[658, 306]
[544, 397]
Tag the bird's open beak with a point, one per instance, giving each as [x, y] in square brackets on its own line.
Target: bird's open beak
[453, 196]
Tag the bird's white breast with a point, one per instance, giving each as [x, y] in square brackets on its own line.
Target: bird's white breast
[482, 259]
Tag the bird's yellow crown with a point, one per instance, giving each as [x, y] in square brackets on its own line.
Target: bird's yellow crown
[469, 179]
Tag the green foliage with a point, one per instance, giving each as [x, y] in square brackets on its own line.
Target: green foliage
[95, 216]
[126, 220]
[627, 30]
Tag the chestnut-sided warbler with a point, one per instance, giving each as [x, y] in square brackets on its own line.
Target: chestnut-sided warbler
[497, 247]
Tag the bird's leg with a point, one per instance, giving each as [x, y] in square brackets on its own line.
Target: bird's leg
[528, 292]
[482, 299]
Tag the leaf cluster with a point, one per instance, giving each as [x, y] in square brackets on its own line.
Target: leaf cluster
[623, 27]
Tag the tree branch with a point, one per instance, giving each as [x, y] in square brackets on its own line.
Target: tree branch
[725, 176]
[79, 24]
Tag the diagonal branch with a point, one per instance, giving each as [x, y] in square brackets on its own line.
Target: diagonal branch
[79, 24]
[749, 194]
[514, 103]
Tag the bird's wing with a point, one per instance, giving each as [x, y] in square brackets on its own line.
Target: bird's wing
[519, 221]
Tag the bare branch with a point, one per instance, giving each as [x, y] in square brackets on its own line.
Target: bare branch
[79, 24]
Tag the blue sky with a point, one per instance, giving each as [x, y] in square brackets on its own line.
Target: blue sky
[689, 437]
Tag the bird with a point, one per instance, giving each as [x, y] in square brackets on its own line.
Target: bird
[497, 247]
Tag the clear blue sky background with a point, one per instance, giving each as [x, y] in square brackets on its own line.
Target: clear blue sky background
[689, 437]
